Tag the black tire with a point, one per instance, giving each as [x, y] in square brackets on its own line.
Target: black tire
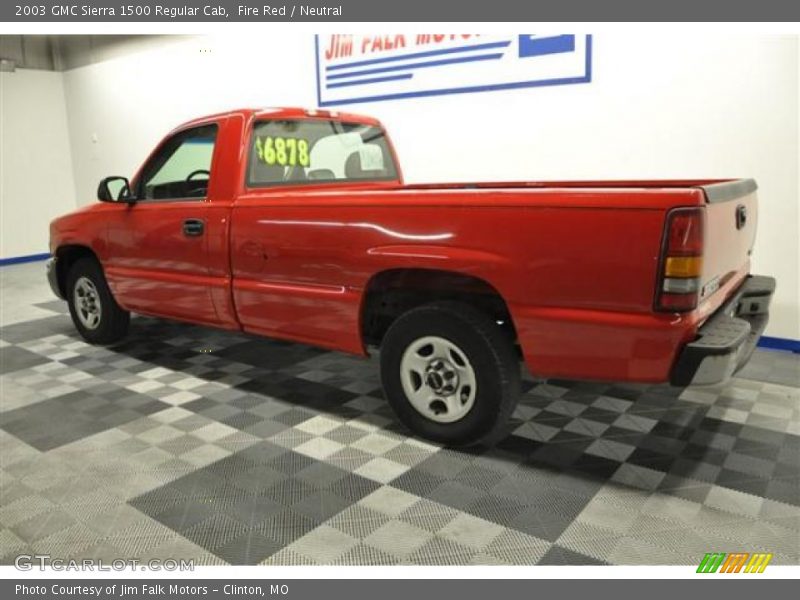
[491, 356]
[113, 320]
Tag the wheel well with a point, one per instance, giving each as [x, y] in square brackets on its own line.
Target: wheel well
[66, 257]
[391, 293]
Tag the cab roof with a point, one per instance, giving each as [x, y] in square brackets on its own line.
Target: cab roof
[289, 113]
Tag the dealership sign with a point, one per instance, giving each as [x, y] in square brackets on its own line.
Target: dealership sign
[368, 68]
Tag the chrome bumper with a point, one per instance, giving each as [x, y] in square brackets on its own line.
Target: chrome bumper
[726, 341]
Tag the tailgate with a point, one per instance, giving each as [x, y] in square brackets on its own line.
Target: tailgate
[731, 216]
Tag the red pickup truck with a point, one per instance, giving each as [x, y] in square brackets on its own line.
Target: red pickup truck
[296, 224]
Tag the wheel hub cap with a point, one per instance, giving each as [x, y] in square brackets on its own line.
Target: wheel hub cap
[438, 379]
[87, 303]
[441, 377]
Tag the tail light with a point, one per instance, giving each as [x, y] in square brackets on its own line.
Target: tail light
[681, 260]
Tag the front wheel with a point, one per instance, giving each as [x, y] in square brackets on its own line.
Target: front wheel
[95, 313]
[450, 373]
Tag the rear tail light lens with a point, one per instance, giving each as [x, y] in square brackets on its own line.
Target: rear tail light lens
[681, 260]
[685, 233]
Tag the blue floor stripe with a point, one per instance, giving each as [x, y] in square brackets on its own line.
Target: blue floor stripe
[776, 343]
[16, 260]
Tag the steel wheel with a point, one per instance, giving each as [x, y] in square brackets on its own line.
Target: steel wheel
[450, 373]
[87, 303]
[438, 379]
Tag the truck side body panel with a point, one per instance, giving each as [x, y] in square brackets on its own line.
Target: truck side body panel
[576, 263]
[301, 262]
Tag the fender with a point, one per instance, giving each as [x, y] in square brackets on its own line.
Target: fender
[434, 269]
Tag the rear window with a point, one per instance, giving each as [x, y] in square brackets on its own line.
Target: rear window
[312, 151]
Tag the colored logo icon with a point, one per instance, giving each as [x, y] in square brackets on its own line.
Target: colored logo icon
[734, 562]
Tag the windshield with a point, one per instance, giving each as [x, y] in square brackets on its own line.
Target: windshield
[313, 151]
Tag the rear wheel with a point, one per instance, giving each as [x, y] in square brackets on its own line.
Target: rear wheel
[95, 313]
[450, 373]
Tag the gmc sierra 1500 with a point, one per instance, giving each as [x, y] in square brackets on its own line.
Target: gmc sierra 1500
[296, 224]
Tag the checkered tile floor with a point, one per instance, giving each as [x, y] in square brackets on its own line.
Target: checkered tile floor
[185, 442]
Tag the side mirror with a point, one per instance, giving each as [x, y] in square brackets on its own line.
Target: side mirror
[114, 189]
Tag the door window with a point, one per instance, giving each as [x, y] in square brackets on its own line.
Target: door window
[181, 169]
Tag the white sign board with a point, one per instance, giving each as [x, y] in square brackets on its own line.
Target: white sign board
[354, 68]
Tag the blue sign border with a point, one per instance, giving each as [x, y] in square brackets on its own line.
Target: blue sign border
[585, 78]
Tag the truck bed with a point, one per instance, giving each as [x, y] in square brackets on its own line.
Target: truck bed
[576, 262]
[714, 188]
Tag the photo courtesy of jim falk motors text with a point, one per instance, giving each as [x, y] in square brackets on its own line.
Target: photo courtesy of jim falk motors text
[125, 590]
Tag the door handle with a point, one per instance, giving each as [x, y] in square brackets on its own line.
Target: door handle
[193, 227]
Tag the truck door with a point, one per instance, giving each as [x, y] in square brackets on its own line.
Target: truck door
[157, 254]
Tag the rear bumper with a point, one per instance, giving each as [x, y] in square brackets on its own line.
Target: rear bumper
[726, 341]
[52, 277]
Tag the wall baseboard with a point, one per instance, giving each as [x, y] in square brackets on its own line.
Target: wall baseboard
[16, 260]
[775, 343]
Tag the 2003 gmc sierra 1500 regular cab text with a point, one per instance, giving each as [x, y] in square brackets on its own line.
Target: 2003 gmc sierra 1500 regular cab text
[296, 224]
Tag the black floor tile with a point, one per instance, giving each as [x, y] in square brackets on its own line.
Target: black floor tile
[61, 420]
[557, 555]
[14, 359]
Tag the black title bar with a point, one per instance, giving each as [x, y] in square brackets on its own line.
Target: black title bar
[262, 11]
[735, 588]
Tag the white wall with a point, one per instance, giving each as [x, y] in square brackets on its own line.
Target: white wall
[36, 181]
[119, 109]
[659, 107]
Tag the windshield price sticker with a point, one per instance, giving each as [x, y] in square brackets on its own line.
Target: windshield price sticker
[283, 151]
